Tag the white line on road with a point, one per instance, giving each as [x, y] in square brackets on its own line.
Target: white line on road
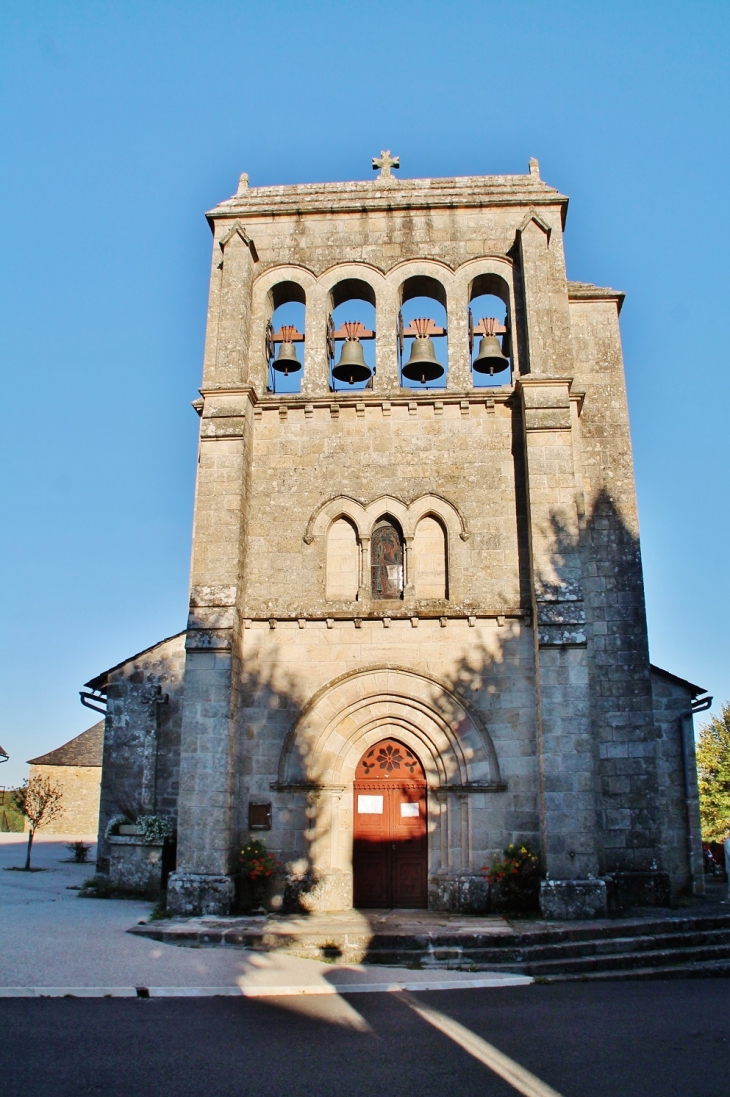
[519, 1078]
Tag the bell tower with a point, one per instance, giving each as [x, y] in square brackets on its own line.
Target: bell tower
[415, 524]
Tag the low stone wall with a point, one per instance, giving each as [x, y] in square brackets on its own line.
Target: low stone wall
[464, 894]
[136, 865]
[566, 900]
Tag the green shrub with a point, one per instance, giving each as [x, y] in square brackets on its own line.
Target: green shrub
[80, 851]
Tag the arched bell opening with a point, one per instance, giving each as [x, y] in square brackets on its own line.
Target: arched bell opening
[423, 334]
[390, 828]
[285, 337]
[351, 335]
[489, 332]
[387, 560]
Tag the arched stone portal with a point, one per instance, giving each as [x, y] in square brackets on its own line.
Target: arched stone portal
[323, 748]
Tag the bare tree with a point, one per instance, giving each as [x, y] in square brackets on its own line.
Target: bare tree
[39, 800]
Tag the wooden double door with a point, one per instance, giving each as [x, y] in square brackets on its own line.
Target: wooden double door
[390, 847]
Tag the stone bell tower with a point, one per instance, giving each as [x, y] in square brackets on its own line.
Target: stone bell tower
[439, 552]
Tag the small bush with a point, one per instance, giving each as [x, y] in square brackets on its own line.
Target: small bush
[515, 880]
[80, 851]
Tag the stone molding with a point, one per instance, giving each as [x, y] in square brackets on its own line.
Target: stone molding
[351, 713]
[406, 613]
[237, 229]
[365, 516]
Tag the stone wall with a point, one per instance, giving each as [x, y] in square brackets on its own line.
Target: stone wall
[677, 784]
[292, 671]
[142, 737]
[80, 787]
[621, 697]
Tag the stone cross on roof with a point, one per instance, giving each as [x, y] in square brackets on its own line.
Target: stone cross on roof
[385, 162]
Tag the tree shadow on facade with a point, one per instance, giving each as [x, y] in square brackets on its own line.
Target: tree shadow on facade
[635, 788]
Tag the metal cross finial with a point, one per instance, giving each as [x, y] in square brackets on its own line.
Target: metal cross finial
[385, 162]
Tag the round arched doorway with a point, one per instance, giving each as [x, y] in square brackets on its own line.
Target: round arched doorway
[390, 843]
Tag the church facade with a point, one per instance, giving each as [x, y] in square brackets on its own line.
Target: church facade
[416, 629]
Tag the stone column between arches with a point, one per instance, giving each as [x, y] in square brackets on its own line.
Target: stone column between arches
[321, 755]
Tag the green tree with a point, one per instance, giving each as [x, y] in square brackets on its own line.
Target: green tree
[713, 771]
[39, 800]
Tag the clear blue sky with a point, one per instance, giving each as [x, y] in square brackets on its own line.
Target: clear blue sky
[123, 121]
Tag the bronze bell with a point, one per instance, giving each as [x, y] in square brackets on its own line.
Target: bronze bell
[352, 366]
[286, 361]
[490, 358]
[423, 365]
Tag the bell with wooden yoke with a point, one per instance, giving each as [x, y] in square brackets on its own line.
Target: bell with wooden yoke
[286, 361]
[352, 366]
[490, 358]
[422, 365]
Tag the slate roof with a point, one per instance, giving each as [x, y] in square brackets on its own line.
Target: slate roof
[85, 750]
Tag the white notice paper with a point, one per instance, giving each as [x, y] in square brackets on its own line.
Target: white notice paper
[370, 805]
[408, 809]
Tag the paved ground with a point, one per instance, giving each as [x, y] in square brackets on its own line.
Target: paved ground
[52, 939]
[668, 1038]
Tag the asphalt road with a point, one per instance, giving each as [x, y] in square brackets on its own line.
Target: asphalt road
[627, 1039]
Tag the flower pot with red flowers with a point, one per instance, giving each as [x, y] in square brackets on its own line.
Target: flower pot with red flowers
[257, 866]
[514, 880]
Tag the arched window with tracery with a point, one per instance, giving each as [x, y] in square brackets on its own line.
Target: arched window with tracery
[386, 560]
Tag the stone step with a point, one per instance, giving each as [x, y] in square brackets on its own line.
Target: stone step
[547, 935]
[539, 949]
[404, 949]
[596, 946]
[702, 969]
[621, 961]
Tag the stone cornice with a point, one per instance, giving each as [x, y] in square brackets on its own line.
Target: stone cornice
[586, 291]
[398, 194]
[399, 398]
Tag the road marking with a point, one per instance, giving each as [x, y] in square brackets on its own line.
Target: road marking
[519, 1078]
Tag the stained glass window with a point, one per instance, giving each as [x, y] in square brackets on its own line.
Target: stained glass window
[386, 558]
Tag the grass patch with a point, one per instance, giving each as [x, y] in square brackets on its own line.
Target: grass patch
[11, 821]
[159, 911]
